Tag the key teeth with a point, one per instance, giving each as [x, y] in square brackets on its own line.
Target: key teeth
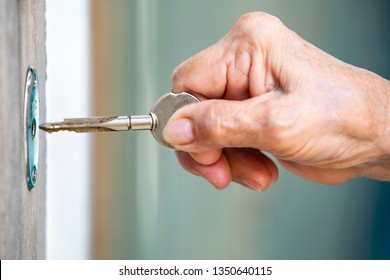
[85, 125]
[49, 127]
[43, 127]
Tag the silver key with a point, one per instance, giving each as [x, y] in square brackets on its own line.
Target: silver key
[155, 121]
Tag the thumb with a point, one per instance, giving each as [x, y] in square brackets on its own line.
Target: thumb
[215, 124]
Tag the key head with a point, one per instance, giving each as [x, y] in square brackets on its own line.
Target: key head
[164, 108]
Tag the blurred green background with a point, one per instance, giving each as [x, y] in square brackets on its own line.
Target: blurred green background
[147, 207]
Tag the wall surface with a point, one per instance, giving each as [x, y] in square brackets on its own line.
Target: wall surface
[22, 212]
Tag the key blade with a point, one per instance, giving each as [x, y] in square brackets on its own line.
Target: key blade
[94, 124]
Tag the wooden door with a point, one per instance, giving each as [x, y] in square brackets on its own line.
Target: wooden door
[22, 212]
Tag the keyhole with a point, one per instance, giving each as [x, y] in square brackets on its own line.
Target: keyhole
[33, 128]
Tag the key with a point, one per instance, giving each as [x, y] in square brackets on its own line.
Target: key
[155, 121]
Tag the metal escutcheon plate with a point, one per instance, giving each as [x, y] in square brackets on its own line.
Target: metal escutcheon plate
[164, 108]
[31, 122]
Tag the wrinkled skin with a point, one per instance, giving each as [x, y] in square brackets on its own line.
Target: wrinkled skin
[263, 88]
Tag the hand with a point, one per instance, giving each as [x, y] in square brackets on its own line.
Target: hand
[266, 89]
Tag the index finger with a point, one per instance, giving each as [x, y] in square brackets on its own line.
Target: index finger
[203, 73]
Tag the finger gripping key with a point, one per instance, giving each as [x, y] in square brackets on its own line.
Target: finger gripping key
[163, 110]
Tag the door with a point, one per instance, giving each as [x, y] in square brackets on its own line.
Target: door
[22, 212]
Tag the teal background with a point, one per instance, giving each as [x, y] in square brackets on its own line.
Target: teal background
[162, 212]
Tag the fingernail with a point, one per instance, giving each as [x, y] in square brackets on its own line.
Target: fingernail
[252, 184]
[179, 132]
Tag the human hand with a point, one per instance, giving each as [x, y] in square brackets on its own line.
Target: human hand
[266, 89]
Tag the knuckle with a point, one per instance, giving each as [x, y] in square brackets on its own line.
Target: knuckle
[226, 125]
[253, 21]
[216, 128]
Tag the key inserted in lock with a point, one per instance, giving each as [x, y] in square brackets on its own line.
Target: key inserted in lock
[156, 121]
